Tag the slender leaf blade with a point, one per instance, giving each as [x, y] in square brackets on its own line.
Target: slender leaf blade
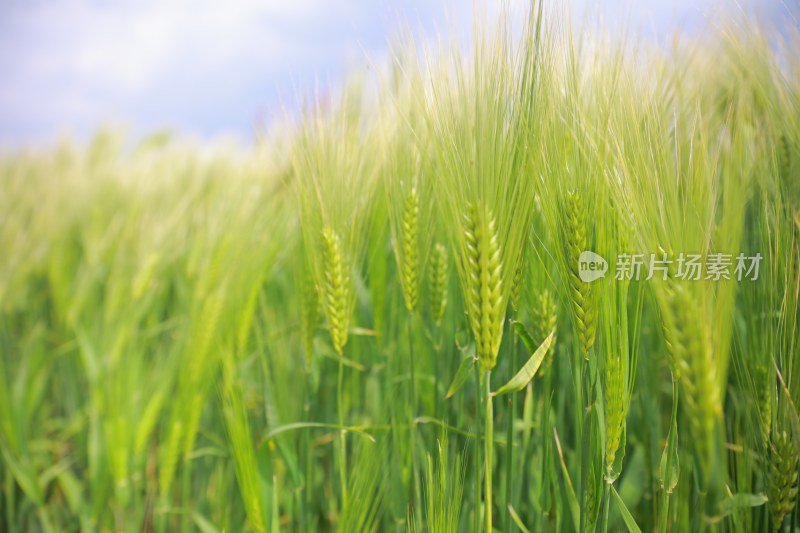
[517, 520]
[525, 336]
[741, 501]
[461, 377]
[528, 370]
[626, 515]
[669, 466]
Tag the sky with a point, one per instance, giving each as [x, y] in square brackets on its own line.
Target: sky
[210, 68]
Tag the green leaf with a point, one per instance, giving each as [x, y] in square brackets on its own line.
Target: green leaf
[290, 460]
[25, 476]
[572, 500]
[462, 338]
[73, 491]
[624, 512]
[515, 517]
[362, 332]
[669, 466]
[330, 354]
[741, 501]
[528, 371]
[203, 523]
[525, 336]
[591, 469]
[276, 523]
[462, 375]
[794, 417]
[274, 432]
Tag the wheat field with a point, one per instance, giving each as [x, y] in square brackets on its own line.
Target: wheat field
[383, 316]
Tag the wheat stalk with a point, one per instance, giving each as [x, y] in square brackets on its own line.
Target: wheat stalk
[484, 271]
[337, 289]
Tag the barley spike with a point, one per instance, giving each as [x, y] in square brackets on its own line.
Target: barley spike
[484, 283]
[335, 288]
[410, 244]
[781, 478]
[581, 294]
[438, 283]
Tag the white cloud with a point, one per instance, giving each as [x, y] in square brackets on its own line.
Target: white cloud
[128, 45]
[203, 64]
[80, 61]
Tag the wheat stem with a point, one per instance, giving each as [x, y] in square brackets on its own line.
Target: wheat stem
[412, 428]
[478, 439]
[489, 438]
[342, 441]
[510, 436]
[337, 290]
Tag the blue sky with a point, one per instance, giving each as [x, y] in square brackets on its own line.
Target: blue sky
[211, 68]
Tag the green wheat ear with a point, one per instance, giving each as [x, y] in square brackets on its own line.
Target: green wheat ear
[335, 288]
[692, 362]
[781, 478]
[544, 319]
[410, 245]
[438, 283]
[484, 292]
[765, 383]
[580, 293]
